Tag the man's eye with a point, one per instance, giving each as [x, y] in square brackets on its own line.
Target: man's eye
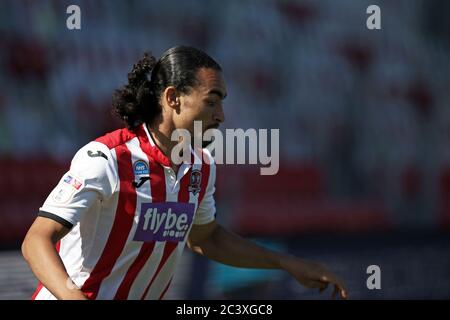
[211, 103]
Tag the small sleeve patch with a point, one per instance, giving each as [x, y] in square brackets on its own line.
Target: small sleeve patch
[65, 190]
[72, 181]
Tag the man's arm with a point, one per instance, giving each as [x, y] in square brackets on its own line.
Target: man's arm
[38, 249]
[214, 242]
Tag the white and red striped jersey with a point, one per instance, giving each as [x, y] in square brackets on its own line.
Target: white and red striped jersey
[129, 215]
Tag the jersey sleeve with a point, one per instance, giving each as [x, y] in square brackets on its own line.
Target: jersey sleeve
[206, 211]
[92, 177]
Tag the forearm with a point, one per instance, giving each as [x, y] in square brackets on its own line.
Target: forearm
[46, 264]
[228, 248]
[218, 244]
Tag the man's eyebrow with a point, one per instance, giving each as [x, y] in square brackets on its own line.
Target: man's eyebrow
[218, 92]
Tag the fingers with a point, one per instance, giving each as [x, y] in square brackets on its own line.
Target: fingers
[323, 288]
[313, 284]
[338, 287]
[335, 291]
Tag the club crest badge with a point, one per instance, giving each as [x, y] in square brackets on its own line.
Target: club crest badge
[195, 181]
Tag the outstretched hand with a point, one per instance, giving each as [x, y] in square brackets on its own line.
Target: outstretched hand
[314, 275]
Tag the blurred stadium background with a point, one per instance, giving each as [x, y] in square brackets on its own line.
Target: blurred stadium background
[364, 119]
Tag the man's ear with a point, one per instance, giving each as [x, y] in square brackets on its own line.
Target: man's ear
[172, 97]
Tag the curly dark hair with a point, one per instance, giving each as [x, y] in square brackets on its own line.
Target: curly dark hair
[138, 101]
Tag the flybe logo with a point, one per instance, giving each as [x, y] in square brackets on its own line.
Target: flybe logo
[165, 221]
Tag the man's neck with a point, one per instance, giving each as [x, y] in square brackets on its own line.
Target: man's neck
[161, 134]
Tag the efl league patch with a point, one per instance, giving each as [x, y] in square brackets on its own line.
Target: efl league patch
[140, 167]
[63, 193]
[66, 189]
[73, 182]
[195, 181]
[164, 221]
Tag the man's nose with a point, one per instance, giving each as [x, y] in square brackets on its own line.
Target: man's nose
[219, 115]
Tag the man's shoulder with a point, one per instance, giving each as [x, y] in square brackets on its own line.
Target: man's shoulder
[116, 138]
[97, 155]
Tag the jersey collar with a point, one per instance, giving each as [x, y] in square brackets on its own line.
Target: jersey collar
[156, 153]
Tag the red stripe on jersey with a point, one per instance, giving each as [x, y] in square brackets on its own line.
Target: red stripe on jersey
[157, 175]
[123, 221]
[157, 182]
[40, 285]
[205, 178]
[133, 271]
[183, 194]
[116, 138]
[38, 289]
[165, 290]
[168, 249]
[154, 152]
[158, 190]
